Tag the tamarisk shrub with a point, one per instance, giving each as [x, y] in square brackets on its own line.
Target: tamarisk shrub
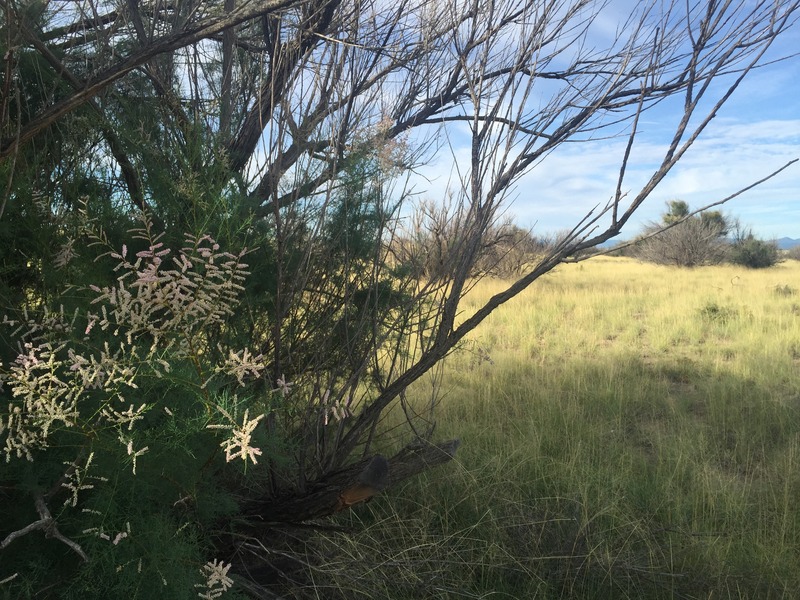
[125, 430]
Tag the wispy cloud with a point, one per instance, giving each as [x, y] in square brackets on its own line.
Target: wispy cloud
[756, 132]
[731, 155]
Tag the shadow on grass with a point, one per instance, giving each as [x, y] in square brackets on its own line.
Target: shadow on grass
[589, 479]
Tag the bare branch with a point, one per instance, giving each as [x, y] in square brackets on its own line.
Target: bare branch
[46, 523]
[185, 37]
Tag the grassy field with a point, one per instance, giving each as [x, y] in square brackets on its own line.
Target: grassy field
[629, 431]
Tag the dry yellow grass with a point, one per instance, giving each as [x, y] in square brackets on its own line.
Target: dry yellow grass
[629, 431]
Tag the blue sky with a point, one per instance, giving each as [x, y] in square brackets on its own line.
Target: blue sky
[755, 133]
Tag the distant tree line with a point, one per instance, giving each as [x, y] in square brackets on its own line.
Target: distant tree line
[680, 238]
[688, 239]
[793, 253]
[436, 232]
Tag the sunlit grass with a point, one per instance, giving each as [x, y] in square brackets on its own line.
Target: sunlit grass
[629, 431]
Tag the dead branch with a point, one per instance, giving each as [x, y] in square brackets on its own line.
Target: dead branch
[356, 483]
[48, 524]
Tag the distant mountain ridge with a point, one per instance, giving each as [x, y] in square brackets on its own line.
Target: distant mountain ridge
[786, 243]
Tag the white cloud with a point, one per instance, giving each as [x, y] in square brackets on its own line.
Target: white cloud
[732, 156]
[755, 133]
[575, 179]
